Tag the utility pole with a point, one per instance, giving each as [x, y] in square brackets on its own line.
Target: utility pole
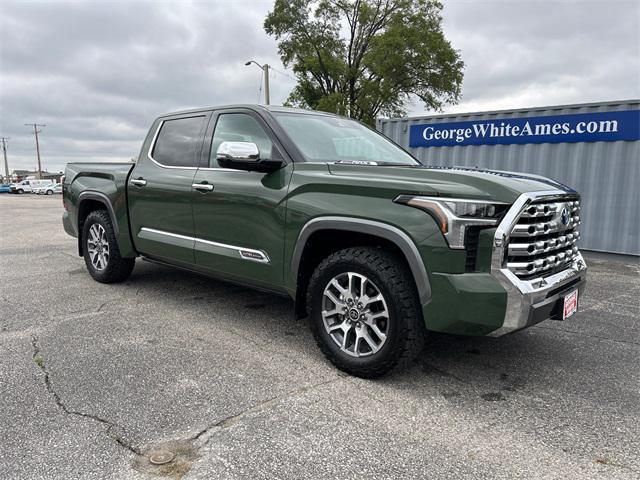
[265, 69]
[36, 132]
[6, 164]
[266, 83]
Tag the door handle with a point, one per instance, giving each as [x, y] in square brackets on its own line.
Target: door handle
[140, 182]
[203, 187]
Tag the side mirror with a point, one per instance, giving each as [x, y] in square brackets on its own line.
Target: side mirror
[245, 156]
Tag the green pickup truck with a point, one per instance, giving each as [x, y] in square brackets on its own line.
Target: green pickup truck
[374, 247]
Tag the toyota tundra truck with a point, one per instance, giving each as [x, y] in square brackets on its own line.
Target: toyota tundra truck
[374, 247]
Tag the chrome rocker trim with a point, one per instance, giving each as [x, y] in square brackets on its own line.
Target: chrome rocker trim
[204, 245]
[522, 295]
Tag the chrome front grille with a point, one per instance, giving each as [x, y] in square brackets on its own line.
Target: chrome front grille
[543, 240]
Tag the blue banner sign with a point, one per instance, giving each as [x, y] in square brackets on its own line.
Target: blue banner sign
[579, 127]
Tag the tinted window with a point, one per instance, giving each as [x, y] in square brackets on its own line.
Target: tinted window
[240, 127]
[178, 142]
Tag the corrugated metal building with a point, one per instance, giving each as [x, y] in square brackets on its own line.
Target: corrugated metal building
[594, 148]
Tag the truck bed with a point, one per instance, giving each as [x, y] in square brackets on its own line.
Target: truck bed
[109, 170]
[103, 183]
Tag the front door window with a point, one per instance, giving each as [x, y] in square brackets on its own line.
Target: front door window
[239, 127]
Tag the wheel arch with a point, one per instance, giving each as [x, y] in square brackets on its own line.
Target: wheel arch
[362, 232]
[89, 202]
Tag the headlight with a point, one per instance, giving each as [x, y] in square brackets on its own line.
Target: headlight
[454, 215]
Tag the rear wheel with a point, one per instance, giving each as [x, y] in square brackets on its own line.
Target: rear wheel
[49, 192]
[365, 311]
[101, 253]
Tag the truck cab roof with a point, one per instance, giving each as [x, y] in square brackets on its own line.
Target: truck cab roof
[251, 106]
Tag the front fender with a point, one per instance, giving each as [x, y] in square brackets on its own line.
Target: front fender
[369, 227]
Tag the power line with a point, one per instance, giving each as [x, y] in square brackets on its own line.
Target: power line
[36, 132]
[284, 74]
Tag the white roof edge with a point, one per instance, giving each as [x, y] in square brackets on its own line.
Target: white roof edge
[515, 110]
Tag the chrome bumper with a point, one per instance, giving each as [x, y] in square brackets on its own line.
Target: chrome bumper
[525, 298]
[529, 300]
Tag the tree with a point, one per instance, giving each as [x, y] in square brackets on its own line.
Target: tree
[365, 58]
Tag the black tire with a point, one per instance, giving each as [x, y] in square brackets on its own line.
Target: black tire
[49, 192]
[20, 191]
[406, 332]
[117, 268]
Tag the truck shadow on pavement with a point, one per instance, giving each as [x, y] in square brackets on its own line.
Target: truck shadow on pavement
[495, 365]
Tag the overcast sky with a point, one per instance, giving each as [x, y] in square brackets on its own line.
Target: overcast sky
[97, 73]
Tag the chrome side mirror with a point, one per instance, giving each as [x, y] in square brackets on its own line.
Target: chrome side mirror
[242, 151]
[246, 156]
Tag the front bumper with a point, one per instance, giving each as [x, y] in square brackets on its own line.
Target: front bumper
[530, 302]
[498, 303]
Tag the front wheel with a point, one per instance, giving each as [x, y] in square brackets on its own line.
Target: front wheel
[101, 252]
[49, 192]
[20, 191]
[365, 312]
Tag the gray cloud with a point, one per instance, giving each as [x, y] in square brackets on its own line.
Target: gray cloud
[535, 53]
[98, 73]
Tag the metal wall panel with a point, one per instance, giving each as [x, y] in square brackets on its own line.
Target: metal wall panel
[607, 174]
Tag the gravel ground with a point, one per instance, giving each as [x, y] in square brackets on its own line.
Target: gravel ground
[96, 378]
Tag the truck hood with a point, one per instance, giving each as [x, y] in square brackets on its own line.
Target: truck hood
[460, 182]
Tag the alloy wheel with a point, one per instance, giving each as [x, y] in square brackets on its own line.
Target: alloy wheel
[355, 314]
[98, 247]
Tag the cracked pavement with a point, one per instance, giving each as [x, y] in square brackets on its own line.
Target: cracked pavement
[94, 378]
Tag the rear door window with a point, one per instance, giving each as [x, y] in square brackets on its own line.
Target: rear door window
[179, 142]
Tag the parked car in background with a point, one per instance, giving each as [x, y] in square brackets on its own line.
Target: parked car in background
[21, 187]
[28, 186]
[53, 188]
[5, 188]
[48, 189]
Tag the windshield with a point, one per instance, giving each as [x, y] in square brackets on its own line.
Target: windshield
[322, 138]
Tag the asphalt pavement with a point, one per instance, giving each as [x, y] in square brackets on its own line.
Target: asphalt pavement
[98, 380]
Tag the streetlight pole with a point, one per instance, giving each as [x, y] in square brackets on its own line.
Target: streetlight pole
[36, 132]
[266, 83]
[6, 163]
[265, 69]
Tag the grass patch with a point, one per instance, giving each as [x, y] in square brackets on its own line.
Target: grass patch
[39, 361]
